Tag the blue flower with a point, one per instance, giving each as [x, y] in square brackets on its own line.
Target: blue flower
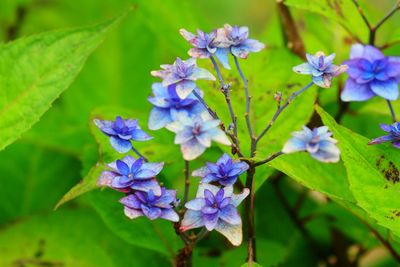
[393, 136]
[321, 68]
[148, 204]
[371, 74]
[121, 132]
[225, 171]
[167, 103]
[205, 45]
[131, 174]
[317, 142]
[183, 73]
[216, 209]
[195, 134]
[236, 40]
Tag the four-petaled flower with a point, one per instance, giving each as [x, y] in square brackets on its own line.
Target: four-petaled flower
[148, 204]
[225, 171]
[236, 39]
[167, 103]
[370, 74]
[321, 68]
[195, 134]
[393, 136]
[205, 46]
[121, 132]
[131, 174]
[215, 208]
[183, 73]
[317, 142]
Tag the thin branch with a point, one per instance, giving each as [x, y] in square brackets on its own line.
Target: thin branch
[249, 212]
[392, 113]
[139, 154]
[210, 111]
[187, 182]
[270, 158]
[361, 11]
[247, 114]
[225, 90]
[395, 8]
[280, 109]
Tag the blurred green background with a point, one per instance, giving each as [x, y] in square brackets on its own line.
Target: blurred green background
[38, 169]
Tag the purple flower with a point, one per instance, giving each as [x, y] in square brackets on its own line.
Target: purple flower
[121, 132]
[393, 136]
[131, 174]
[370, 74]
[167, 103]
[195, 134]
[321, 68]
[183, 73]
[317, 142]
[205, 45]
[237, 40]
[148, 204]
[225, 171]
[215, 208]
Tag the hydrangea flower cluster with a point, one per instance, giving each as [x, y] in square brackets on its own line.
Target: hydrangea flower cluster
[317, 142]
[136, 177]
[321, 68]
[393, 135]
[371, 74]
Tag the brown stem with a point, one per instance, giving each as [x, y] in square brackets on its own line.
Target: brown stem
[187, 182]
[249, 211]
[289, 29]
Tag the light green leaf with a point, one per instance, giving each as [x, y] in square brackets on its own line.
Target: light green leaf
[33, 179]
[373, 174]
[34, 71]
[74, 237]
[158, 235]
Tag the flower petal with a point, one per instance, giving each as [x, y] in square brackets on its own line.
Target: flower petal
[184, 88]
[191, 219]
[170, 215]
[159, 118]
[238, 198]
[294, 145]
[147, 185]
[222, 55]
[120, 145]
[196, 204]
[232, 232]
[230, 215]
[304, 68]
[151, 212]
[192, 149]
[387, 89]
[356, 92]
[132, 213]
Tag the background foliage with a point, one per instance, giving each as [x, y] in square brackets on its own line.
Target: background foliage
[307, 214]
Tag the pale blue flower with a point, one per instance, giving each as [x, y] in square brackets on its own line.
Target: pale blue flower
[317, 142]
[205, 45]
[194, 134]
[216, 209]
[321, 68]
[150, 205]
[121, 132]
[183, 74]
[225, 171]
[166, 104]
[132, 174]
[371, 74]
[393, 135]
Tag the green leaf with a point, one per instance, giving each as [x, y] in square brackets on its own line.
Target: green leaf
[327, 178]
[344, 12]
[35, 183]
[158, 235]
[34, 71]
[373, 174]
[74, 237]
